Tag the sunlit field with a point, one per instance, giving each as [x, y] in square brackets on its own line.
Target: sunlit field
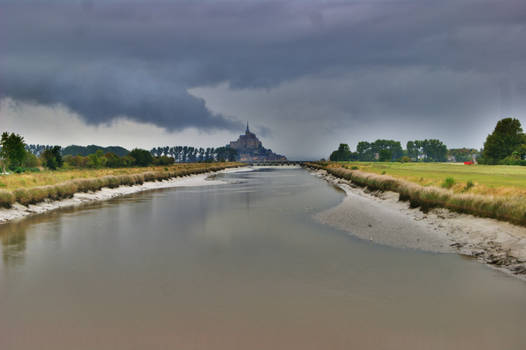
[487, 179]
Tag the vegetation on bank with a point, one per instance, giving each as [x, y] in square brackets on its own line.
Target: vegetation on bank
[491, 191]
[16, 156]
[29, 178]
[32, 188]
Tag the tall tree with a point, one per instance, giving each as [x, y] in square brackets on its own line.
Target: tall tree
[435, 150]
[506, 138]
[343, 153]
[13, 150]
[52, 158]
[365, 151]
[387, 150]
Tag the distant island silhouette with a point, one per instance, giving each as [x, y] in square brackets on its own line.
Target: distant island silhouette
[250, 149]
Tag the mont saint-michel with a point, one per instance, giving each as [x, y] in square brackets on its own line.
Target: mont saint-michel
[250, 148]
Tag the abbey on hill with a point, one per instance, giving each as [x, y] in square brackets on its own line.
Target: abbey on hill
[250, 149]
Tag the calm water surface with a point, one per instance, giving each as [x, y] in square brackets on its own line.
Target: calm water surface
[240, 266]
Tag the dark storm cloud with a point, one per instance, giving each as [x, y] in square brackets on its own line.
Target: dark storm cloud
[105, 59]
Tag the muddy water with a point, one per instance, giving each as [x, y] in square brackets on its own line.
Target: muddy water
[240, 266]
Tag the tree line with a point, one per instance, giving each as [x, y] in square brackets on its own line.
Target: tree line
[390, 150]
[17, 156]
[506, 145]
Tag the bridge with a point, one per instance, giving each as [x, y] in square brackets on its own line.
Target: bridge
[278, 163]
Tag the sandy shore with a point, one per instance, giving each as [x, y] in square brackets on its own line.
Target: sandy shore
[381, 218]
[18, 211]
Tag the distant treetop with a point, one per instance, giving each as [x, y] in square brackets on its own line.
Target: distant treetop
[75, 150]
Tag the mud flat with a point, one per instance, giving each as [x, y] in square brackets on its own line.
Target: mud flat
[19, 211]
[382, 218]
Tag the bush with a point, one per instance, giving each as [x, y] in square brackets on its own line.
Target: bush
[38, 194]
[52, 158]
[6, 199]
[22, 196]
[52, 192]
[66, 189]
[141, 157]
[469, 185]
[31, 161]
[448, 182]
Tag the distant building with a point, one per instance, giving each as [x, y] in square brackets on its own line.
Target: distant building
[250, 149]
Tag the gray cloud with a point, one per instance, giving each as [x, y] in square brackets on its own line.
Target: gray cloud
[434, 62]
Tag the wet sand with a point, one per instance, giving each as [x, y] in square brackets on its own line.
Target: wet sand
[382, 218]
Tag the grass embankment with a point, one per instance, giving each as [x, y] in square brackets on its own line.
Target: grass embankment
[497, 192]
[33, 188]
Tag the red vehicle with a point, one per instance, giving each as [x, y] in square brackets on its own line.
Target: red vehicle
[468, 163]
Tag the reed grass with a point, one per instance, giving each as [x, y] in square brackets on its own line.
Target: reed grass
[36, 188]
[505, 208]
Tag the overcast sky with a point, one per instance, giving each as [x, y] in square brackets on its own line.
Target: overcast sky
[307, 75]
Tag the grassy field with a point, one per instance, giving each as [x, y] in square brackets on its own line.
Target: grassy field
[501, 180]
[32, 188]
[497, 192]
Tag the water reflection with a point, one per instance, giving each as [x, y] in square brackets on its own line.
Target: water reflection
[13, 238]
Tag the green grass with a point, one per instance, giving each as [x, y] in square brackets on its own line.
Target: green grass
[485, 179]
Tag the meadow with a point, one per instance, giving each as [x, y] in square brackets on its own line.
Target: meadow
[500, 180]
[497, 192]
[32, 188]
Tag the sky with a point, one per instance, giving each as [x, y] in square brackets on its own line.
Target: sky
[307, 75]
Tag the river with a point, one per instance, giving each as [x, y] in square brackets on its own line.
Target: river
[240, 266]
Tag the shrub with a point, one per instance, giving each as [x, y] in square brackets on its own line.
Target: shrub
[469, 185]
[52, 192]
[37, 194]
[66, 189]
[6, 199]
[448, 182]
[22, 196]
[141, 157]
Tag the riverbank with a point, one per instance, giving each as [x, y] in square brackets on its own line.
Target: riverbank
[19, 211]
[379, 216]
